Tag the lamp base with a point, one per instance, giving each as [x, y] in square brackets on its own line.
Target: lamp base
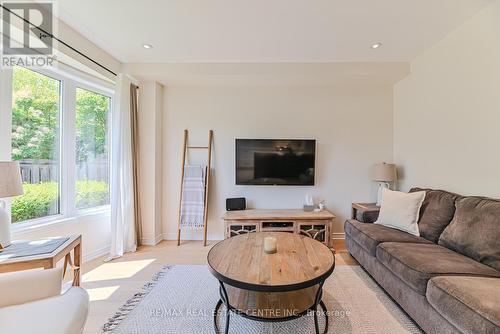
[381, 186]
[5, 238]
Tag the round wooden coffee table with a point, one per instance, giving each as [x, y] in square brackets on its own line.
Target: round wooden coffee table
[271, 287]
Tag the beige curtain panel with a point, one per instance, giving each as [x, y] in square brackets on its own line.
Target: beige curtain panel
[134, 90]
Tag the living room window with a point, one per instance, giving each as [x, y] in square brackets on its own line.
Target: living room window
[92, 152]
[35, 143]
[60, 135]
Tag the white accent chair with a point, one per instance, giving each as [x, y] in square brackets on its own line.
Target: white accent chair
[31, 302]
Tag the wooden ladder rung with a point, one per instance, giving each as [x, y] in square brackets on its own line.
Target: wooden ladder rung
[199, 147]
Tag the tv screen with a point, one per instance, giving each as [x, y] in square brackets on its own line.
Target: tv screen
[275, 162]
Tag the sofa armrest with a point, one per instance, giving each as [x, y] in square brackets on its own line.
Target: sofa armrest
[357, 221]
[63, 314]
[370, 216]
[365, 212]
[29, 285]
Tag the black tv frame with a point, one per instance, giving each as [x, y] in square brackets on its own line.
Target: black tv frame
[313, 183]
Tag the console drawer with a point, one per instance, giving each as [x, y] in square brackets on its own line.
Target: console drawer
[276, 224]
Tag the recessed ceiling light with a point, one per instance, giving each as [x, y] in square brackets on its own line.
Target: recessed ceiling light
[147, 46]
[376, 45]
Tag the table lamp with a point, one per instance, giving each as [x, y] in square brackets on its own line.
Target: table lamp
[384, 174]
[10, 186]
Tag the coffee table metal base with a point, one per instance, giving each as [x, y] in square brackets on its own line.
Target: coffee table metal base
[224, 299]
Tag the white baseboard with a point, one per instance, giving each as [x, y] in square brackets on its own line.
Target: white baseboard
[188, 235]
[336, 236]
[152, 241]
[96, 253]
[192, 235]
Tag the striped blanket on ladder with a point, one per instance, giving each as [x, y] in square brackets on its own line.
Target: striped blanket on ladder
[193, 197]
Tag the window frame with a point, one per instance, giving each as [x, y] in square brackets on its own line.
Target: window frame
[70, 79]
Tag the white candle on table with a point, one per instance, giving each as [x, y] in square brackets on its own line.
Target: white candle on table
[270, 245]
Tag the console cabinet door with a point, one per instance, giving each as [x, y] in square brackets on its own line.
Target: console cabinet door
[319, 230]
[234, 228]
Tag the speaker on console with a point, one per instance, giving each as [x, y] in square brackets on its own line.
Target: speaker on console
[234, 204]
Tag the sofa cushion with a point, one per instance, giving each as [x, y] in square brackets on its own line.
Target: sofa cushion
[436, 212]
[369, 236]
[469, 303]
[475, 230]
[400, 210]
[415, 264]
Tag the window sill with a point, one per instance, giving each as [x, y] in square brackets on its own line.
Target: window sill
[105, 209]
[49, 222]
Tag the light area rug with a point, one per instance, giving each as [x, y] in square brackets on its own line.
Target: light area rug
[181, 299]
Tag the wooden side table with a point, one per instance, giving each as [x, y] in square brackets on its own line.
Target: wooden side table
[11, 262]
[365, 212]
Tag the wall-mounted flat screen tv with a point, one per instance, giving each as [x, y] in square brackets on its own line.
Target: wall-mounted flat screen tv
[275, 162]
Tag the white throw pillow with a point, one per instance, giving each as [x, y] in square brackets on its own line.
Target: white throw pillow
[401, 210]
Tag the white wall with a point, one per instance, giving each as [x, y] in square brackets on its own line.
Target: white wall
[352, 126]
[447, 112]
[150, 152]
[94, 228]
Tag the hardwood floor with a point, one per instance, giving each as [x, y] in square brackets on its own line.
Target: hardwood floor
[110, 284]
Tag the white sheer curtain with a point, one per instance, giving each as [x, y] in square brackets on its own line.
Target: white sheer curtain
[123, 234]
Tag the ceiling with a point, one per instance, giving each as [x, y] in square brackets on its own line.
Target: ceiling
[265, 31]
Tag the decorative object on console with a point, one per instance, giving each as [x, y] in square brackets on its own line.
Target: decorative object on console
[235, 204]
[384, 174]
[401, 210]
[309, 204]
[10, 186]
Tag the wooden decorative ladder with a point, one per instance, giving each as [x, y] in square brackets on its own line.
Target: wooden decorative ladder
[185, 153]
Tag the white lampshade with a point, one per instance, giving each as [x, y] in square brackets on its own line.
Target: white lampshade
[10, 179]
[384, 172]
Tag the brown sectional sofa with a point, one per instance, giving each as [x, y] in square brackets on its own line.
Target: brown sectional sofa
[448, 279]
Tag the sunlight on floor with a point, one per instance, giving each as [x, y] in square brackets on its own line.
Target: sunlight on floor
[116, 270]
[96, 294]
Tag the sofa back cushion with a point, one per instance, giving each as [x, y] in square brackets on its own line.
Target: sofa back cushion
[436, 212]
[475, 230]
